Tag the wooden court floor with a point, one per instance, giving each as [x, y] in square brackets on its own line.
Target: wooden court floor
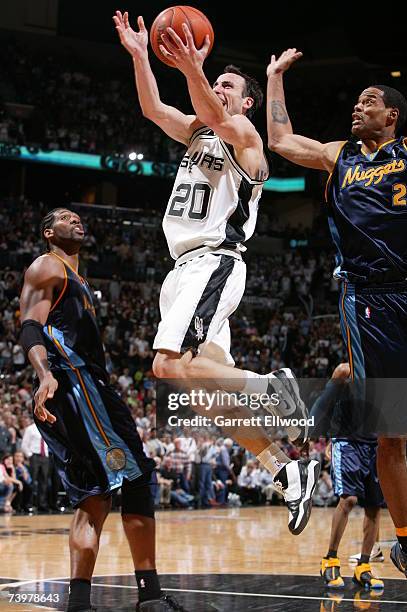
[250, 541]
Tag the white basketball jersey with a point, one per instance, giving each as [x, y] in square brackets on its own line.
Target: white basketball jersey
[213, 202]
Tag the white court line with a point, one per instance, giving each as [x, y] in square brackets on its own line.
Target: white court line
[268, 595]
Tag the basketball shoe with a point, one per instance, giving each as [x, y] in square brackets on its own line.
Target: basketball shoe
[290, 405]
[399, 558]
[331, 572]
[166, 603]
[363, 576]
[296, 481]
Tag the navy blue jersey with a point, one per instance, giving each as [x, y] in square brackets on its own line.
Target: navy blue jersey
[72, 335]
[367, 199]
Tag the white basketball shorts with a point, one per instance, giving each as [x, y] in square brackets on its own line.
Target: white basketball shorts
[196, 300]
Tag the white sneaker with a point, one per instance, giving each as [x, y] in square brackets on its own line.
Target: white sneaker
[302, 477]
[376, 556]
[291, 405]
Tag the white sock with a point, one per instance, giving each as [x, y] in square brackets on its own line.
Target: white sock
[255, 383]
[273, 459]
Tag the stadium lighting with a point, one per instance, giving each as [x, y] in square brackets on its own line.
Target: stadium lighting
[140, 156]
[133, 156]
[395, 73]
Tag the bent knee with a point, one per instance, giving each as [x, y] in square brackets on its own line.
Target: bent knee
[348, 503]
[167, 366]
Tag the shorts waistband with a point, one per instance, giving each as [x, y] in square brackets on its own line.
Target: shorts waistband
[188, 255]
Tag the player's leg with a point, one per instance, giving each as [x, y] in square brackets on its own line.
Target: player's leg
[139, 526]
[196, 300]
[363, 572]
[347, 481]
[330, 564]
[84, 538]
[370, 529]
[391, 460]
[381, 343]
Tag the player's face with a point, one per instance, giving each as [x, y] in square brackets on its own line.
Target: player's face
[68, 226]
[370, 115]
[229, 88]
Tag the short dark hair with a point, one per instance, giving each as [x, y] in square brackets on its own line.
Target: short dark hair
[252, 88]
[393, 98]
[48, 221]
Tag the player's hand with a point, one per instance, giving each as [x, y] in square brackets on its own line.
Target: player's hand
[134, 42]
[45, 391]
[341, 372]
[283, 63]
[186, 57]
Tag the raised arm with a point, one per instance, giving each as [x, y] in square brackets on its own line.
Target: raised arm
[175, 124]
[40, 280]
[236, 130]
[297, 149]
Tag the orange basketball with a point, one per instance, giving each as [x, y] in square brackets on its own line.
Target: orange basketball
[174, 17]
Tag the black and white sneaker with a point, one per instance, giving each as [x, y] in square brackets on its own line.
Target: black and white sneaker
[296, 481]
[166, 603]
[290, 406]
[399, 558]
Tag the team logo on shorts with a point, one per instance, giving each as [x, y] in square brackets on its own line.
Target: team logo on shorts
[116, 459]
[367, 312]
[199, 328]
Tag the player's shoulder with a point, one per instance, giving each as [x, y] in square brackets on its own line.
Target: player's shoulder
[43, 268]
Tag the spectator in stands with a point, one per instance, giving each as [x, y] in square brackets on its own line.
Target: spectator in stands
[181, 464]
[6, 490]
[36, 450]
[8, 465]
[23, 500]
[223, 469]
[249, 489]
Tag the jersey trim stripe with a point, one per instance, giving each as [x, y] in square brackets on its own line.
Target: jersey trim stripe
[70, 267]
[82, 384]
[59, 298]
[328, 180]
[200, 132]
[238, 167]
[208, 304]
[378, 148]
[348, 338]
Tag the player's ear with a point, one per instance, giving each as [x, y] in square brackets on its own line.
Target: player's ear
[48, 233]
[392, 115]
[248, 103]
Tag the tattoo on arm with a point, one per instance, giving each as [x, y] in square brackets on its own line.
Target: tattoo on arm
[278, 112]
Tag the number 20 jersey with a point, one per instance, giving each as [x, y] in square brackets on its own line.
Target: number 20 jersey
[367, 211]
[214, 202]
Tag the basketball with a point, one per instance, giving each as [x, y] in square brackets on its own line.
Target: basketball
[174, 17]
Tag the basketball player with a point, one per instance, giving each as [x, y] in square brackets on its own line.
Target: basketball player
[367, 210]
[353, 472]
[211, 212]
[86, 425]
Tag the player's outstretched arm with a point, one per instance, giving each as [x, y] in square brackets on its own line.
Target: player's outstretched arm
[40, 281]
[175, 124]
[237, 130]
[297, 149]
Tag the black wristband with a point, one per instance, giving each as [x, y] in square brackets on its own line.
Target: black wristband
[31, 335]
